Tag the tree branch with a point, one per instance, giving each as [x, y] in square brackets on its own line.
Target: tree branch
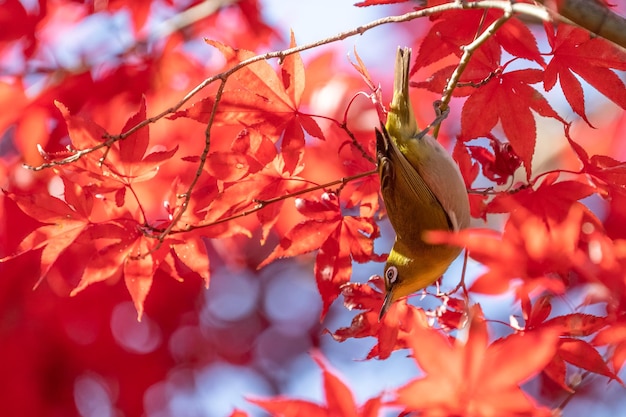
[596, 18]
[539, 12]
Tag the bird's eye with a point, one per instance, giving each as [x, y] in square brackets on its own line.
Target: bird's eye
[391, 274]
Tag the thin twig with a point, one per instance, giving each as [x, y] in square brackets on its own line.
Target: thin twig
[468, 51]
[539, 12]
[260, 204]
[205, 152]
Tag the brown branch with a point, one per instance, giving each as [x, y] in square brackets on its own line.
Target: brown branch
[596, 18]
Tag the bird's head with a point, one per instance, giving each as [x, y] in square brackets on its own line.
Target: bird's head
[397, 278]
[405, 275]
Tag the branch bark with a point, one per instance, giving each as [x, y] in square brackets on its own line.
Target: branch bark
[596, 18]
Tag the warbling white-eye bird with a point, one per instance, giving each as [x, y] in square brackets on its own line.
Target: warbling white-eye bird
[423, 190]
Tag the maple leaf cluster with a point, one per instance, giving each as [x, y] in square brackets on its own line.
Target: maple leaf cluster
[172, 156]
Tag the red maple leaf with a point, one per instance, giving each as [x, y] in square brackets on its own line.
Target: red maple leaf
[394, 329]
[470, 169]
[101, 250]
[339, 400]
[340, 239]
[125, 160]
[615, 336]
[575, 351]
[581, 354]
[593, 59]
[472, 377]
[541, 254]
[269, 184]
[498, 166]
[128, 158]
[510, 99]
[551, 200]
[453, 30]
[192, 252]
[264, 100]
[607, 173]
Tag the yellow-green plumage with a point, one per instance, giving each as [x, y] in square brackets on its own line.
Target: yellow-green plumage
[422, 188]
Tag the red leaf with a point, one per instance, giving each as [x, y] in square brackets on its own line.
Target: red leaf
[293, 74]
[130, 161]
[259, 78]
[333, 268]
[310, 125]
[193, 253]
[65, 223]
[607, 173]
[262, 100]
[473, 377]
[107, 263]
[340, 240]
[469, 170]
[303, 238]
[519, 41]
[227, 166]
[339, 400]
[394, 330]
[84, 133]
[613, 334]
[582, 354]
[133, 148]
[454, 29]
[593, 59]
[499, 166]
[619, 356]
[577, 324]
[550, 201]
[78, 198]
[556, 371]
[292, 147]
[509, 98]
[139, 270]
[539, 312]
[529, 249]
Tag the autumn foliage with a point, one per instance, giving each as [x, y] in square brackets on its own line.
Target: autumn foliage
[140, 165]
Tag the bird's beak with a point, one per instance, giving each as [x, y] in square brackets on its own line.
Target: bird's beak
[386, 304]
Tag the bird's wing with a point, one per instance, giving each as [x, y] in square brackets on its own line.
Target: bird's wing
[393, 167]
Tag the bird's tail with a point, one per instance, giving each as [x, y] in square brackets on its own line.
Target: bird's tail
[401, 123]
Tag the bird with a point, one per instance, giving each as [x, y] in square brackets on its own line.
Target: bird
[422, 189]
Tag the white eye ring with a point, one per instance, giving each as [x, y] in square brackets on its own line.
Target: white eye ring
[391, 274]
